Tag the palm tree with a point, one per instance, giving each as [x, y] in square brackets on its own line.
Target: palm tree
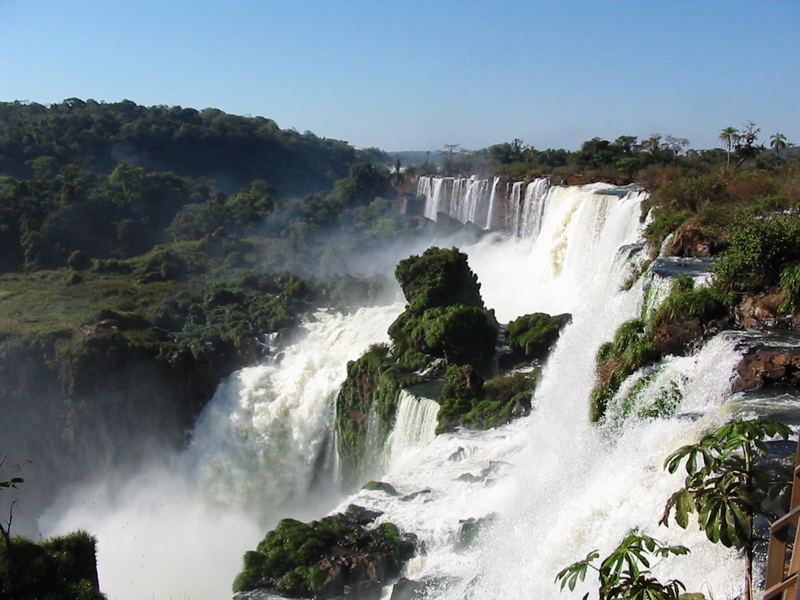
[730, 138]
[777, 142]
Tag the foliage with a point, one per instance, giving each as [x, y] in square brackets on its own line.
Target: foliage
[530, 336]
[704, 303]
[294, 558]
[461, 334]
[439, 277]
[61, 568]
[631, 348]
[760, 246]
[724, 483]
[625, 573]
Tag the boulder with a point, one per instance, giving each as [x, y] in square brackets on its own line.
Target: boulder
[338, 556]
[780, 366]
[756, 311]
[530, 337]
[692, 240]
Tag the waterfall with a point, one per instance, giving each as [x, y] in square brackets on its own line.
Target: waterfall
[526, 213]
[179, 529]
[547, 489]
[465, 199]
[415, 426]
[543, 490]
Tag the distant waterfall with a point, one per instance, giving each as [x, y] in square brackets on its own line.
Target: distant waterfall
[525, 213]
[486, 203]
[465, 199]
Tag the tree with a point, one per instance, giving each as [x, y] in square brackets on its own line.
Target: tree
[730, 139]
[621, 573]
[777, 142]
[5, 530]
[726, 486]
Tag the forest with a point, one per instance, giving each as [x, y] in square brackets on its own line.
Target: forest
[160, 244]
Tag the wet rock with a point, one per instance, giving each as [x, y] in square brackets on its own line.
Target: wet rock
[408, 589]
[768, 367]
[692, 240]
[756, 311]
[358, 515]
[412, 496]
[458, 455]
[380, 486]
[530, 337]
[676, 337]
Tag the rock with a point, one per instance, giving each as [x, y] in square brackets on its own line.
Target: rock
[458, 455]
[335, 557]
[692, 240]
[380, 486]
[413, 495]
[768, 367]
[522, 405]
[358, 515]
[676, 337]
[469, 529]
[439, 277]
[530, 337]
[759, 310]
[408, 589]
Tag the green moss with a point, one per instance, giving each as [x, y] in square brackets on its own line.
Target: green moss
[631, 349]
[439, 277]
[372, 386]
[482, 406]
[704, 303]
[294, 558]
[461, 334]
[531, 336]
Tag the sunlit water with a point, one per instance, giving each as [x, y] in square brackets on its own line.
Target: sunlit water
[549, 487]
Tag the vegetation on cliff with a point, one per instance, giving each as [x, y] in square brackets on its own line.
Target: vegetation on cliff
[322, 559]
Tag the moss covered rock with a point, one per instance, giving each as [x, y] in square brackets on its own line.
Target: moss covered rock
[464, 335]
[439, 277]
[365, 406]
[319, 559]
[498, 401]
[530, 337]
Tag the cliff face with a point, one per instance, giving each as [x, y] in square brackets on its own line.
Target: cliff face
[75, 407]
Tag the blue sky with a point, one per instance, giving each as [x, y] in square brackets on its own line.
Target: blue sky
[408, 75]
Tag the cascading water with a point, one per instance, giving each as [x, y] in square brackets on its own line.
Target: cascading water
[414, 427]
[179, 529]
[525, 213]
[549, 488]
[542, 491]
[467, 199]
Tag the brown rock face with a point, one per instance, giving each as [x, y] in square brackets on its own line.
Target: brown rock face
[692, 240]
[768, 367]
[676, 337]
[759, 310]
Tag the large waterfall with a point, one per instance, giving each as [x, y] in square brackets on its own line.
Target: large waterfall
[542, 491]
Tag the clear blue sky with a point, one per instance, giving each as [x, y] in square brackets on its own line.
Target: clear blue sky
[407, 75]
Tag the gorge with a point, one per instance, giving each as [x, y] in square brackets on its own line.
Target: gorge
[541, 491]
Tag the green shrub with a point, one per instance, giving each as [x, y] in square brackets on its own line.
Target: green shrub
[530, 336]
[439, 277]
[759, 249]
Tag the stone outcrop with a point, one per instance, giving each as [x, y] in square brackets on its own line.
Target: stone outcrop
[765, 367]
[692, 240]
[336, 557]
[756, 311]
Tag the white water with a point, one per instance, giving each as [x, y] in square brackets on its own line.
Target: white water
[179, 529]
[553, 485]
[414, 427]
[556, 485]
